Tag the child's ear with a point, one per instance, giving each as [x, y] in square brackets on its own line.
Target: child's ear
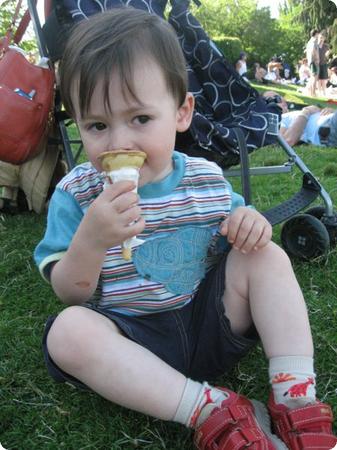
[185, 113]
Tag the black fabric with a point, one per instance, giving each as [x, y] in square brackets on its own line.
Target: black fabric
[224, 100]
[55, 34]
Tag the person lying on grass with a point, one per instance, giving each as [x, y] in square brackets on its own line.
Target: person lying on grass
[310, 125]
[149, 333]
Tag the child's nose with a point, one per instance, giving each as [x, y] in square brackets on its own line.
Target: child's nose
[120, 138]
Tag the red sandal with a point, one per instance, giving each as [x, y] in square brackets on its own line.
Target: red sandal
[304, 428]
[237, 424]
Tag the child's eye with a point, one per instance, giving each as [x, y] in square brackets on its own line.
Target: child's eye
[98, 126]
[142, 119]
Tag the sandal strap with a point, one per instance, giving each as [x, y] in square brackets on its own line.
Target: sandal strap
[311, 416]
[241, 438]
[221, 420]
[317, 441]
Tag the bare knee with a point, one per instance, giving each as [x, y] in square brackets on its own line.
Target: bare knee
[72, 335]
[66, 337]
[272, 257]
[269, 261]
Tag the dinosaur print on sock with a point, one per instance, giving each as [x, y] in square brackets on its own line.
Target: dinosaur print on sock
[207, 398]
[300, 389]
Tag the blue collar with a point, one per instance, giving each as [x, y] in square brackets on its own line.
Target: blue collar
[167, 184]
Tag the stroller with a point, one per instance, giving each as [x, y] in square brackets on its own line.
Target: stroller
[231, 118]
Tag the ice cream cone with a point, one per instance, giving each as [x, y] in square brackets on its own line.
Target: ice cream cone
[115, 160]
[118, 166]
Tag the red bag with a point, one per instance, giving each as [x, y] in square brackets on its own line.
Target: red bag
[26, 101]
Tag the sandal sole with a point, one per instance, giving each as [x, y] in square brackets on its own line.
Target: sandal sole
[263, 418]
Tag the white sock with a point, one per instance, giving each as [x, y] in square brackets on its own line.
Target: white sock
[293, 380]
[197, 402]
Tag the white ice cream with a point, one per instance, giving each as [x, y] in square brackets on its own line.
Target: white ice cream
[129, 174]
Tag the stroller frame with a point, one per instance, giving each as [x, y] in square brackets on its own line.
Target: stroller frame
[303, 236]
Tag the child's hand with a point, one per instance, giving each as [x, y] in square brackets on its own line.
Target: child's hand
[246, 229]
[113, 217]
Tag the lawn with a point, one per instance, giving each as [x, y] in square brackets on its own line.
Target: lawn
[292, 93]
[36, 413]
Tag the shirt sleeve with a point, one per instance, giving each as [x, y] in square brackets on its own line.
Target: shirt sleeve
[64, 217]
[286, 120]
[238, 200]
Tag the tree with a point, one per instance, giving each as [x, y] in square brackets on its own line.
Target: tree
[225, 17]
[6, 13]
[262, 36]
[6, 16]
[333, 36]
[258, 32]
[317, 14]
[293, 37]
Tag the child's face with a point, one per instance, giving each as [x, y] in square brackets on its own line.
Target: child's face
[148, 124]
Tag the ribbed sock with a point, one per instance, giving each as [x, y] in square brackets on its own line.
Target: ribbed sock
[293, 380]
[197, 402]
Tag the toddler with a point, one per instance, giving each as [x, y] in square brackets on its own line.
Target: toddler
[205, 286]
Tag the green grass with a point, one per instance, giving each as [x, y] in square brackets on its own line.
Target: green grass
[292, 93]
[36, 413]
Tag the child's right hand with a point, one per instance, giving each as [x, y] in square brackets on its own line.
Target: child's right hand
[113, 217]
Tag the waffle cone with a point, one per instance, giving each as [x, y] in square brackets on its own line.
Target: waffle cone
[115, 160]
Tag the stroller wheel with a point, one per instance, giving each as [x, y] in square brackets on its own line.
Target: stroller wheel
[329, 223]
[305, 237]
[316, 211]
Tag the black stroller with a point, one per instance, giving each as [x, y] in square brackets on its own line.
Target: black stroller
[231, 118]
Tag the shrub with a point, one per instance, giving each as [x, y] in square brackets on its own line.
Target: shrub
[229, 46]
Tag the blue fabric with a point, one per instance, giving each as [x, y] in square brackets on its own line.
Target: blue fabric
[178, 260]
[64, 215]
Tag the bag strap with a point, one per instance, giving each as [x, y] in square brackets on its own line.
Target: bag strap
[20, 30]
[22, 27]
[9, 33]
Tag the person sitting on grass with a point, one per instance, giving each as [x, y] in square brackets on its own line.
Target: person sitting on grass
[260, 73]
[241, 65]
[149, 333]
[310, 125]
[304, 72]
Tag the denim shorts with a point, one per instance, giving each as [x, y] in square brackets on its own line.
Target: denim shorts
[196, 340]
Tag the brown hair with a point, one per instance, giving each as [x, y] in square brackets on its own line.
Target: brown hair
[113, 41]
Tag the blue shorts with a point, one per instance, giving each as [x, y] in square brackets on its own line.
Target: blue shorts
[196, 340]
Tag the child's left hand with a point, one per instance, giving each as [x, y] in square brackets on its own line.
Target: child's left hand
[246, 229]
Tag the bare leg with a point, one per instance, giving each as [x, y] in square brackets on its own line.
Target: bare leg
[261, 287]
[323, 87]
[90, 347]
[312, 85]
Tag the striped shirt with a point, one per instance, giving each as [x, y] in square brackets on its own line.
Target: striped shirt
[182, 214]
